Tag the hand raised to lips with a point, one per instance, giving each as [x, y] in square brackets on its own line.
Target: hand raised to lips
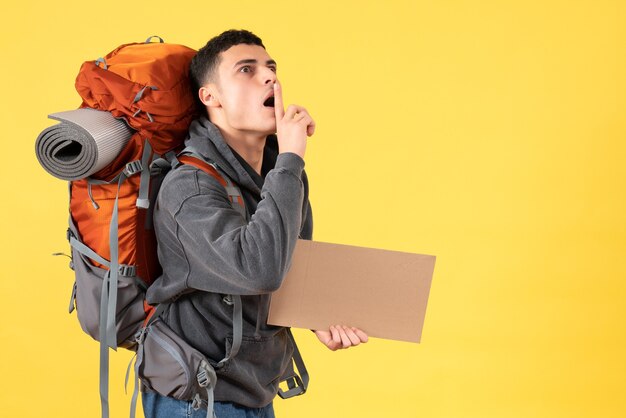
[293, 125]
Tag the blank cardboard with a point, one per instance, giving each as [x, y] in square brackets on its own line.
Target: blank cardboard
[382, 292]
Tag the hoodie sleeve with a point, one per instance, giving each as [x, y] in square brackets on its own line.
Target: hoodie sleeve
[204, 241]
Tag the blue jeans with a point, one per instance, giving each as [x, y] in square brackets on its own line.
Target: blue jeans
[157, 406]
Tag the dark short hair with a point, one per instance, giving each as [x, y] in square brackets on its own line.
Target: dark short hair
[204, 64]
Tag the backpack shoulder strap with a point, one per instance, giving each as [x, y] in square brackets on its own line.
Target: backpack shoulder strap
[234, 194]
[297, 384]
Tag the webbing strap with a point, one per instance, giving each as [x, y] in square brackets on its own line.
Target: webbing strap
[111, 331]
[144, 182]
[104, 349]
[237, 330]
[100, 182]
[207, 379]
[125, 270]
[138, 360]
[297, 384]
[103, 61]
[108, 305]
[140, 93]
[170, 156]
[72, 298]
[210, 412]
[297, 358]
[93, 202]
[203, 166]
[234, 194]
[88, 252]
[159, 165]
[130, 363]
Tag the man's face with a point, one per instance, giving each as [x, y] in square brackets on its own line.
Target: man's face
[245, 79]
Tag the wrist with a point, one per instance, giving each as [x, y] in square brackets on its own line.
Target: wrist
[290, 151]
[290, 161]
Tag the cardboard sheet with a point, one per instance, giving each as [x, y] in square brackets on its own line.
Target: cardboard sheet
[382, 292]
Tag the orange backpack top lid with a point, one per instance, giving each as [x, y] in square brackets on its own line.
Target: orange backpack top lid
[148, 85]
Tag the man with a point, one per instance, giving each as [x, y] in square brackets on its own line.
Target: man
[209, 250]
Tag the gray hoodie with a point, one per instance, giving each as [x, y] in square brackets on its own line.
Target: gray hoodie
[208, 250]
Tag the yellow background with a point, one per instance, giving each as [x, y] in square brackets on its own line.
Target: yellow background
[488, 133]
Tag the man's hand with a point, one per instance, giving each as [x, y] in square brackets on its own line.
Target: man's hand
[292, 126]
[341, 336]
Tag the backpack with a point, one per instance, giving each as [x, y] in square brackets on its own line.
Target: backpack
[110, 224]
[110, 231]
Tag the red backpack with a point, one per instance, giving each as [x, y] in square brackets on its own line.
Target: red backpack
[113, 243]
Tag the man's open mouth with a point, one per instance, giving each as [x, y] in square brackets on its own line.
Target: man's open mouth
[269, 102]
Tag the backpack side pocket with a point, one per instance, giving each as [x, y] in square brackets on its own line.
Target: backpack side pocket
[169, 366]
[130, 311]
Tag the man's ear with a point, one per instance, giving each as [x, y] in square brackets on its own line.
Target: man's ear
[207, 96]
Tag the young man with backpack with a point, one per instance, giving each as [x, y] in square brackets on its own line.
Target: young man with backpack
[210, 250]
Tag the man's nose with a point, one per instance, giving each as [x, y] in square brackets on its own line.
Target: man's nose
[269, 76]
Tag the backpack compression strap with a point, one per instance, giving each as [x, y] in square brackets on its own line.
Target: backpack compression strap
[297, 385]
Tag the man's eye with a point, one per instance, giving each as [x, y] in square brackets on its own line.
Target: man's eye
[244, 68]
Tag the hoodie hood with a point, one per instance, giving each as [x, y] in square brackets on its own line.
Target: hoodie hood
[206, 139]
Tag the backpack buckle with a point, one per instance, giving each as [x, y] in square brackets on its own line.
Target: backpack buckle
[197, 402]
[228, 299]
[133, 167]
[296, 387]
[127, 271]
[206, 376]
[140, 335]
[203, 379]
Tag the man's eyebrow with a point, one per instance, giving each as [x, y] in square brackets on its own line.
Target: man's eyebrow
[253, 61]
